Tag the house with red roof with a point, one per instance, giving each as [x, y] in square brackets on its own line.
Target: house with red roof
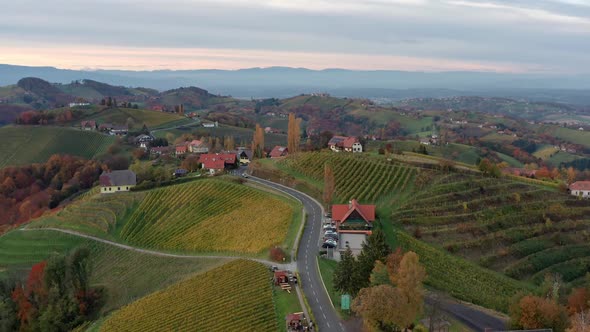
[279, 152]
[354, 223]
[580, 189]
[181, 150]
[346, 144]
[88, 125]
[217, 162]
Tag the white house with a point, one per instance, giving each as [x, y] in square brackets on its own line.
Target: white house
[117, 181]
[343, 143]
[580, 189]
[198, 146]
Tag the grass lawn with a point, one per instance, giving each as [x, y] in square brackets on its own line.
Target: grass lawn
[285, 304]
[327, 267]
[32, 144]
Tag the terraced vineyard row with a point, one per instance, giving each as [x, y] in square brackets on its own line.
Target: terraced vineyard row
[25, 145]
[519, 229]
[234, 297]
[99, 212]
[209, 215]
[364, 178]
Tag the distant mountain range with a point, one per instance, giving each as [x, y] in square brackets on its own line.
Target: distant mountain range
[284, 82]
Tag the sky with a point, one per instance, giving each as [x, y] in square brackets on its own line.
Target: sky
[543, 36]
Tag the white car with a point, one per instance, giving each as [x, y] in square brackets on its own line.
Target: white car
[330, 233]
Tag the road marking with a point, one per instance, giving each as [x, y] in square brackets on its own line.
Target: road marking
[323, 314]
[328, 323]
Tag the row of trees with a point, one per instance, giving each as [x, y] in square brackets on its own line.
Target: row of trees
[387, 286]
[28, 191]
[552, 308]
[55, 297]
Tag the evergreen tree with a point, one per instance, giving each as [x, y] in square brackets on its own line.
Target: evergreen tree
[346, 278]
[374, 248]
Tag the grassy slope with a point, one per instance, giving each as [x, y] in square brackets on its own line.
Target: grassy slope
[25, 145]
[235, 296]
[570, 135]
[126, 275]
[195, 216]
[139, 117]
[242, 136]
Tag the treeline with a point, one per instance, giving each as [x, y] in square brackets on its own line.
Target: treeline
[56, 295]
[28, 191]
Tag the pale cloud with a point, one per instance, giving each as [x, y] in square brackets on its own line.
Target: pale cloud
[496, 35]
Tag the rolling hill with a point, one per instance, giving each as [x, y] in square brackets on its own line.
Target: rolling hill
[26, 145]
[207, 215]
[505, 234]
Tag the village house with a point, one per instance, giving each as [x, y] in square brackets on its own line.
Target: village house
[354, 223]
[198, 146]
[161, 150]
[279, 152]
[119, 130]
[105, 126]
[144, 140]
[210, 124]
[580, 189]
[343, 143]
[217, 162]
[82, 104]
[181, 150]
[244, 156]
[88, 125]
[117, 181]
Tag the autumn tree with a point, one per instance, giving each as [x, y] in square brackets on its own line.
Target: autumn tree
[190, 163]
[258, 142]
[571, 175]
[329, 184]
[229, 143]
[580, 322]
[578, 301]
[395, 303]
[293, 133]
[533, 312]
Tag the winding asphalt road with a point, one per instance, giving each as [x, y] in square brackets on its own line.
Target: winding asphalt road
[325, 315]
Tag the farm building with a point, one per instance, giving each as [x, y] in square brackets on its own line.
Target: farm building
[119, 130]
[198, 146]
[117, 181]
[279, 152]
[161, 150]
[88, 125]
[217, 162]
[280, 277]
[354, 222]
[580, 189]
[213, 165]
[144, 140]
[346, 144]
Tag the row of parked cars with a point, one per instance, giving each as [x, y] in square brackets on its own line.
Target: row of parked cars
[330, 235]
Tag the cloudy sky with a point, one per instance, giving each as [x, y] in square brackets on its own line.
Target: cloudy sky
[549, 36]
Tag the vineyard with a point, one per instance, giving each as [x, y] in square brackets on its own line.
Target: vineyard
[363, 177]
[518, 229]
[92, 213]
[209, 215]
[139, 117]
[234, 297]
[26, 145]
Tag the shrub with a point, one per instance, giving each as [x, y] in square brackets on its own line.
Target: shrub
[277, 254]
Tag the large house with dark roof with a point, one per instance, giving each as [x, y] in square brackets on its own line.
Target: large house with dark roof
[346, 144]
[117, 181]
[580, 189]
[354, 223]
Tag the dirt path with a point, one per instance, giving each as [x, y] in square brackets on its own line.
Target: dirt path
[153, 252]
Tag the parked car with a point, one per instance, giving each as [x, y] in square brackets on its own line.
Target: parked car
[329, 227]
[331, 236]
[329, 245]
[330, 232]
[245, 175]
[332, 241]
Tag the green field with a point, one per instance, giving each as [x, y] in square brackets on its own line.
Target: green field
[567, 134]
[138, 116]
[237, 296]
[207, 215]
[26, 145]
[125, 275]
